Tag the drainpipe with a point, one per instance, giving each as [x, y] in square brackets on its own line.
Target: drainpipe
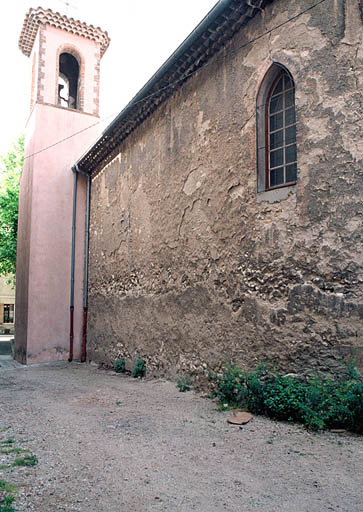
[85, 281]
[71, 309]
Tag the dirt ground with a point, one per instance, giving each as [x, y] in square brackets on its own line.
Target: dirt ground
[108, 442]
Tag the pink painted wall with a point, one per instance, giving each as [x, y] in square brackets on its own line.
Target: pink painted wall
[46, 202]
[54, 41]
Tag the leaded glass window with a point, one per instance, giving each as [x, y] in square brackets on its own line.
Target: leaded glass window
[281, 160]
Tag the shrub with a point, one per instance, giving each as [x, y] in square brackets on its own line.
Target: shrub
[184, 384]
[139, 368]
[120, 365]
[231, 387]
[317, 403]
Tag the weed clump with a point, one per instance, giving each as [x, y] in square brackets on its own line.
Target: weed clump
[139, 369]
[7, 451]
[316, 403]
[10, 440]
[184, 384]
[6, 496]
[27, 460]
[5, 504]
[120, 365]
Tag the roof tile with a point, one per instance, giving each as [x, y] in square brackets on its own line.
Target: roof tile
[38, 16]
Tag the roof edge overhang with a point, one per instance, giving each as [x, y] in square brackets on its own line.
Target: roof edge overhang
[216, 28]
[39, 16]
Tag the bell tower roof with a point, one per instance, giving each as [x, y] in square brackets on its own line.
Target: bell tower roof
[40, 16]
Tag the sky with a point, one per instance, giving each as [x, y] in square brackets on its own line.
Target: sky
[143, 35]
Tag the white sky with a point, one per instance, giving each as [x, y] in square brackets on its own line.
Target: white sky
[143, 35]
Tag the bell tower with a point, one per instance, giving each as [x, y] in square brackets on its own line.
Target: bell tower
[65, 59]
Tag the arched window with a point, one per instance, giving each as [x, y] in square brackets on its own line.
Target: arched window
[276, 130]
[68, 81]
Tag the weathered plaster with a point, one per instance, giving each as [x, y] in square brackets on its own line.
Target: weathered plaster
[189, 264]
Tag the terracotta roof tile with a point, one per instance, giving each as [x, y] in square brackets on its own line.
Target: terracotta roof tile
[38, 16]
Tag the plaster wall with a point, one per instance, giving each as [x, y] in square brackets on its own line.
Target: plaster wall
[45, 232]
[190, 265]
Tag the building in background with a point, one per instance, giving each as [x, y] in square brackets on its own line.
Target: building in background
[7, 306]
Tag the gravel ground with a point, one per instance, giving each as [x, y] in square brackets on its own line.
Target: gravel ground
[107, 442]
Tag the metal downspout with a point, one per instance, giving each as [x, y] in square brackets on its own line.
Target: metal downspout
[71, 308]
[85, 281]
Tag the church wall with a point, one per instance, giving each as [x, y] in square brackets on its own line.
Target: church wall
[189, 265]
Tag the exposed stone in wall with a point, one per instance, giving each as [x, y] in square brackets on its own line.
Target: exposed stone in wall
[189, 264]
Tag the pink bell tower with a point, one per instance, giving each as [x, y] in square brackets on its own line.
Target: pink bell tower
[65, 56]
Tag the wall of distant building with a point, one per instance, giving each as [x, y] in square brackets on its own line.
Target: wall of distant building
[7, 306]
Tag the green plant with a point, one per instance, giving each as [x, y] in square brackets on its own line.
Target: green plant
[5, 504]
[6, 496]
[7, 451]
[120, 365]
[10, 170]
[316, 403]
[184, 384]
[27, 460]
[10, 440]
[139, 368]
[6, 487]
[230, 390]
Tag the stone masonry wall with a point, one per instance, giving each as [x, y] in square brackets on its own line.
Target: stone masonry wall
[189, 265]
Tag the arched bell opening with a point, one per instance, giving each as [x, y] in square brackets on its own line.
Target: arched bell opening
[68, 80]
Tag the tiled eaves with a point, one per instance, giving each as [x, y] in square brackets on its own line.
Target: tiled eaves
[38, 16]
[212, 33]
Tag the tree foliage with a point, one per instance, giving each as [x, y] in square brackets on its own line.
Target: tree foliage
[10, 169]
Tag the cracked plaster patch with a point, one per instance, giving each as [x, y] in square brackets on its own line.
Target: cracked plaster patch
[194, 181]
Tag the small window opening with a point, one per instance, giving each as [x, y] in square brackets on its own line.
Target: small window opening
[8, 313]
[68, 81]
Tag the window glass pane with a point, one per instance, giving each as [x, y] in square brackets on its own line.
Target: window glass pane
[289, 99]
[291, 173]
[8, 313]
[290, 135]
[277, 177]
[278, 87]
[281, 133]
[290, 116]
[288, 82]
[276, 122]
[290, 154]
[276, 139]
[276, 158]
[276, 103]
